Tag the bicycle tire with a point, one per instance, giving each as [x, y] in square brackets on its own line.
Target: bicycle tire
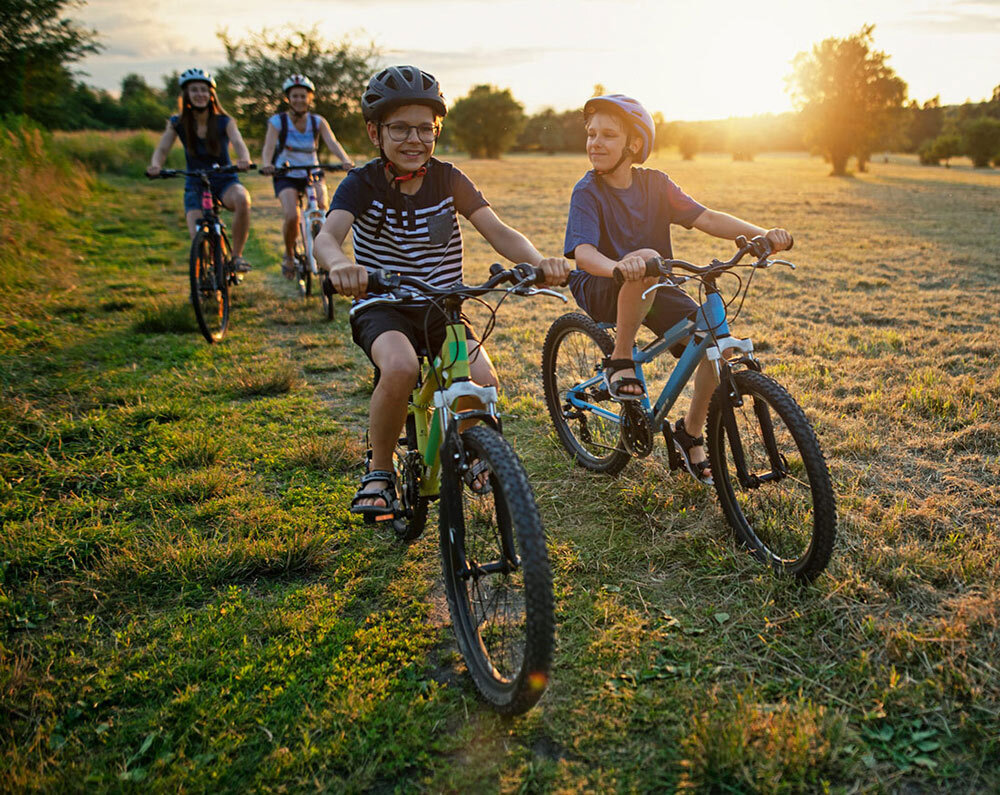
[325, 297]
[572, 353]
[502, 615]
[788, 522]
[409, 466]
[209, 286]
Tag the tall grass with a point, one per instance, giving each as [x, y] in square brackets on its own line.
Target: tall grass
[38, 187]
[125, 153]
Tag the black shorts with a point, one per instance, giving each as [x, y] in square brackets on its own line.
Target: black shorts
[598, 297]
[281, 183]
[369, 325]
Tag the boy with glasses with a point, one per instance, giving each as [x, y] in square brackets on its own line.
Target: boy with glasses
[402, 210]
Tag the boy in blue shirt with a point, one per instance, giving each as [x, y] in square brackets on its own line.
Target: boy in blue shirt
[619, 217]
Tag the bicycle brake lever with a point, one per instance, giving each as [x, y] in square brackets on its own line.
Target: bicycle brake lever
[782, 262]
[545, 291]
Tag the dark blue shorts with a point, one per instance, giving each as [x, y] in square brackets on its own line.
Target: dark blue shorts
[192, 191]
[598, 297]
[280, 183]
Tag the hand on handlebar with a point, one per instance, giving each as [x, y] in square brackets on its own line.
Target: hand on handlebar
[349, 279]
[555, 269]
[153, 171]
[780, 239]
[244, 164]
[267, 170]
[630, 269]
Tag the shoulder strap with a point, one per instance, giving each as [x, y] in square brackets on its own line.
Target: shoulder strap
[315, 125]
[282, 137]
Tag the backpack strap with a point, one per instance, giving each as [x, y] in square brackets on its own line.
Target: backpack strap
[315, 125]
[282, 137]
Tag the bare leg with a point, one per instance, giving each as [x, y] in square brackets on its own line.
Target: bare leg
[397, 362]
[632, 310]
[237, 199]
[193, 216]
[704, 384]
[289, 199]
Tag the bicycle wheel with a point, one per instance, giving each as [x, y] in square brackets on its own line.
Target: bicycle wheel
[326, 297]
[209, 286]
[572, 354]
[784, 510]
[496, 575]
[409, 465]
[302, 273]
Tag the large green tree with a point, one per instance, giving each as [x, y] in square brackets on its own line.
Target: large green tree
[486, 123]
[849, 97]
[37, 44]
[250, 82]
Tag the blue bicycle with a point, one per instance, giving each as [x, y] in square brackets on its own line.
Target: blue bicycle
[767, 466]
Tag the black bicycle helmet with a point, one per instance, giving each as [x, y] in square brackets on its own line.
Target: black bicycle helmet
[401, 85]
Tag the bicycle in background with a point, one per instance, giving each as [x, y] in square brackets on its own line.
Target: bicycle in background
[493, 550]
[310, 222]
[211, 268]
[769, 472]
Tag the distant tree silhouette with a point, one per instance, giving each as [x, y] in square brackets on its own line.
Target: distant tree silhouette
[982, 140]
[250, 82]
[487, 122]
[847, 94]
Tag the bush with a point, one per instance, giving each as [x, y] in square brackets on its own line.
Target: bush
[982, 141]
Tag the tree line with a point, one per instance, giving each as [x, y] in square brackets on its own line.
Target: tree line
[849, 101]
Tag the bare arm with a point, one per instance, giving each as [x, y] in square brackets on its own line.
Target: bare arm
[346, 277]
[239, 146]
[510, 243]
[161, 151]
[333, 144]
[730, 227]
[267, 155]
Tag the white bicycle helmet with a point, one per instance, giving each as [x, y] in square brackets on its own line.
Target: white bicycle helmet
[298, 80]
[195, 76]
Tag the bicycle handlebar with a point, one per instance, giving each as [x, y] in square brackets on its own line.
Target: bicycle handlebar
[522, 276]
[759, 247]
[280, 171]
[167, 173]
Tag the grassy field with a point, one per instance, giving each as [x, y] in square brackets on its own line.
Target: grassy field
[187, 605]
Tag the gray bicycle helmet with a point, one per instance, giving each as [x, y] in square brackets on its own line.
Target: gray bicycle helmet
[401, 85]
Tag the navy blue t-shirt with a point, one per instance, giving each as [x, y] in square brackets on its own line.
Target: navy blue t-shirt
[616, 221]
[199, 157]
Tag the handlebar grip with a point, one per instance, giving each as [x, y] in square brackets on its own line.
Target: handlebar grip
[790, 243]
[652, 269]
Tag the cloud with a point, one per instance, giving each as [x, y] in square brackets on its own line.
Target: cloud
[960, 17]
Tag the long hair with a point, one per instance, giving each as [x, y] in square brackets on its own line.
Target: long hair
[186, 112]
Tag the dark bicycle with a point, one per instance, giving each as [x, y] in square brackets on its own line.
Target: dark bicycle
[211, 263]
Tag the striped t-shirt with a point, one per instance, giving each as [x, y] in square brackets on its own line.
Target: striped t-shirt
[415, 235]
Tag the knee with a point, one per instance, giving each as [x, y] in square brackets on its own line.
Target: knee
[242, 202]
[399, 373]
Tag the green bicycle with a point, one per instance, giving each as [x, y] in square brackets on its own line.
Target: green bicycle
[493, 550]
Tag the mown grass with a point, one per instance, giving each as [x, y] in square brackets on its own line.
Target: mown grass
[187, 604]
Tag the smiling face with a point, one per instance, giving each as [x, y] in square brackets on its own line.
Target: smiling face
[199, 94]
[410, 154]
[606, 140]
[299, 98]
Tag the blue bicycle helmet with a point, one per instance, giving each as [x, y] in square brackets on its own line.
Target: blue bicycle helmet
[635, 114]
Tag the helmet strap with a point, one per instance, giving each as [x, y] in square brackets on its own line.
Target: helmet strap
[626, 153]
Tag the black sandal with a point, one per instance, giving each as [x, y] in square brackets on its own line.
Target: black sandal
[684, 441]
[376, 513]
[475, 470]
[612, 366]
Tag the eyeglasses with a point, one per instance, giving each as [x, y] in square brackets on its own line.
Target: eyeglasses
[400, 131]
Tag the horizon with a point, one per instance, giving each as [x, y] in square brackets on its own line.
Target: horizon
[945, 48]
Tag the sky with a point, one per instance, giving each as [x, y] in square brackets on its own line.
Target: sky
[688, 60]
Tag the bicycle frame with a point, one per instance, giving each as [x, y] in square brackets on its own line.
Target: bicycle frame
[307, 216]
[445, 380]
[714, 341]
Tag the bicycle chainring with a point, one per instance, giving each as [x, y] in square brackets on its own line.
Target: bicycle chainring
[409, 475]
[637, 434]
